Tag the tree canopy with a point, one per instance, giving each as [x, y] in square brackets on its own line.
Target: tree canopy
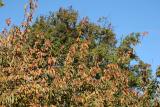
[61, 60]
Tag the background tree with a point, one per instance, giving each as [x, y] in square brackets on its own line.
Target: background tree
[1, 3]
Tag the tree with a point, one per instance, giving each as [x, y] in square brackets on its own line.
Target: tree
[62, 61]
[1, 3]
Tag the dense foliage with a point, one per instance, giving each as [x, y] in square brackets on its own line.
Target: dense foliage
[66, 62]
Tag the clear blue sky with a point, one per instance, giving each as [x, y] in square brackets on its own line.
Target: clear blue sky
[126, 16]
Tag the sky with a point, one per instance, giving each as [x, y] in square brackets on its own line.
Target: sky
[125, 15]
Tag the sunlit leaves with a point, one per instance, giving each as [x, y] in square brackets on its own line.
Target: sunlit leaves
[158, 72]
[59, 61]
[8, 21]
